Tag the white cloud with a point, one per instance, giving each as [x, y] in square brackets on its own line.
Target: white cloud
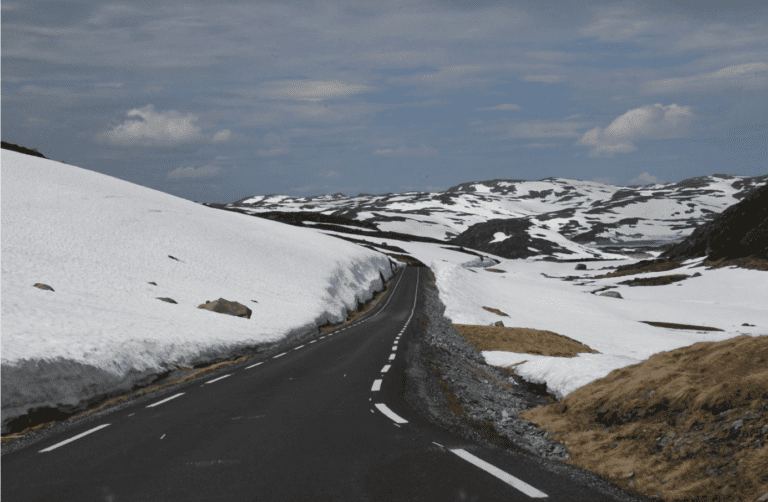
[647, 122]
[422, 150]
[332, 174]
[314, 90]
[545, 79]
[507, 106]
[545, 129]
[273, 145]
[183, 173]
[645, 179]
[222, 135]
[153, 128]
[750, 76]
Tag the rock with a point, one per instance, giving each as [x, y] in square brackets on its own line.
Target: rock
[738, 424]
[764, 498]
[581, 266]
[499, 323]
[43, 286]
[747, 324]
[152, 283]
[223, 306]
[169, 300]
[173, 257]
[697, 274]
[630, 475]
[612, 294]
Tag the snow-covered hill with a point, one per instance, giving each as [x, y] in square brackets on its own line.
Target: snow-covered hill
[585, 212]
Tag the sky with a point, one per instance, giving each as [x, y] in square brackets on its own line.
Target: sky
[213, 102]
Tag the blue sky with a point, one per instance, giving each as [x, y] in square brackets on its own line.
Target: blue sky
[214, 101]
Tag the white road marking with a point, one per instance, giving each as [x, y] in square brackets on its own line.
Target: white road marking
[220, 378]
[394, 347]
[495, 471]
[297, 348]
[161, 437]
[438, 444]
[73, 438]
[391, 414]
[254, 365]
[313, 341]
[132, 414]
[376, 385]
[396, 425]
[280, 355]
[322, 337]
[386, 368]
[392, 357]
[166, 400]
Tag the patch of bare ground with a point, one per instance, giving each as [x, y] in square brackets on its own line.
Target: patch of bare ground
[680, 326]
[687, 424]
[495, 311]
[661, 280]
[521, 340]
[497, 270]
[642, 269]
[748, 263]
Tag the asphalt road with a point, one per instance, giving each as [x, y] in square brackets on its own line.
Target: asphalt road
[305, 424]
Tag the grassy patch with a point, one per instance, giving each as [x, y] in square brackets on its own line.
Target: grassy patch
[521, 340]
[653, 267]
[496, 311]
[691, 416]
[661, 280]
[680, 326]
[748, 263]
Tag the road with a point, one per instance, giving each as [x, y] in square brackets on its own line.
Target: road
[323, 420]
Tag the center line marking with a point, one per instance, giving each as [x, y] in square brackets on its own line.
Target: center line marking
[73, 438]
[391, 357]
[394, 347]
[166, 400]
[280, 355]
[220, 378]
[297, 348]
[313, 341]
[391, 414]
[254, 365]
[386, 368]
[376, 385]
[495, 471]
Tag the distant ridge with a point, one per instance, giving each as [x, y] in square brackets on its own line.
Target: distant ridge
[21, 149]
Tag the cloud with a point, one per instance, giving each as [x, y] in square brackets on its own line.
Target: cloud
[273, 146]
[545, 129]
[222, 135]
[507, 106]
[332, 174]
[645, 179]
[421, 150]
[647, 122]
[315, 90]
[184, 173]
[153, 128]
[750, 76]
[545, 79]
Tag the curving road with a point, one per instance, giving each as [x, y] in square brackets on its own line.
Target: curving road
[319, 421]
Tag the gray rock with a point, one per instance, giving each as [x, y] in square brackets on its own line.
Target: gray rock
[169, 300]
[152, 283]
[612, 294]
[738, 424]
[581, 266]
[43, 286]
[499, 323]
[747, 324]
[223, 306]
[697, 274]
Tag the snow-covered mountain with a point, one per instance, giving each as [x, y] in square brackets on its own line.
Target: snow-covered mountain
[585, 212]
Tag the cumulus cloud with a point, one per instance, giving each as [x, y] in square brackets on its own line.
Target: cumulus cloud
[184, 173]
[310, 90]
[222, 135]
[422, 150]
[153, 128]
[749, 76]
[647, 122]
[507, 106]
[645, 179]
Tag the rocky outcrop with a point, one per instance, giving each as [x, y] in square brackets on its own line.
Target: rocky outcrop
[223, 306]
[43, 286]
[516, 242]
[740, 231]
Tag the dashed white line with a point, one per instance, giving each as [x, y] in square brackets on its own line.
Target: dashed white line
[391, 414]
[392, 357]
[376, 385]
[161, 437]
[73, 438]
[297, 348]
[132, 414]
[166, 400]
[313, 341]
[438, 444]
[495, 471]
[280, 355]
[220, 378]
[394, 347]
[386, 368]
[254, 365]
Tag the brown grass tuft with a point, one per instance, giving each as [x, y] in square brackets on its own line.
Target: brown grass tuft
[748, 263]
[654, 267]
[680, 326]
[521, 340]
[692, 416]
[496, 311]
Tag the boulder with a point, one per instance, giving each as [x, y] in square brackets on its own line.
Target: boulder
[152, 283]
[43, 286]
[612, 294]
[169, 300]
[697, 274]
[223, 306]
[499, 323]
[581, 266]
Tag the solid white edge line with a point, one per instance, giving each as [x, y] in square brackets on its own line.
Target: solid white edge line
[254, 365]
[386, 368]
[392, 357]
[376, 385]
[279, 355]
[220, 378]
[166, 400]
[438, 444]
[495, 471]
[391, 414]
[73, 438]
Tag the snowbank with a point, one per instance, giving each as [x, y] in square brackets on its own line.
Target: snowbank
[99, 242]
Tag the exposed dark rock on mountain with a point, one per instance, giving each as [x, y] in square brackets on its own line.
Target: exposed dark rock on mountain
[223, 306]
[21, 149]
[738, 232]
[519, 244]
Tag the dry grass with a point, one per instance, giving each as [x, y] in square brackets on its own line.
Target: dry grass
[615, 425]
[748, 263]
[661, 280]
[680, 326]
[654, 267]
[496, 311]
[497, 270]
[521, 340]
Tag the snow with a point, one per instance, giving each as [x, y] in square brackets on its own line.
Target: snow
[99, 241]
[499, 236]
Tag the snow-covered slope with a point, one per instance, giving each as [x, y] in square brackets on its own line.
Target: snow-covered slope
[99, 242]
[584, 211]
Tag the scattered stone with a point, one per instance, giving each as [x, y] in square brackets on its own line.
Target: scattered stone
[612, 294]
[697, 274]
[499, 323]
[630, 475]
[738, 424]
[152, 283]
[173, 257]
[581, 266]
[747, 324]
[223, 306]
[169, 300]
[254, 301]
[764, 430]
[43, 286]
